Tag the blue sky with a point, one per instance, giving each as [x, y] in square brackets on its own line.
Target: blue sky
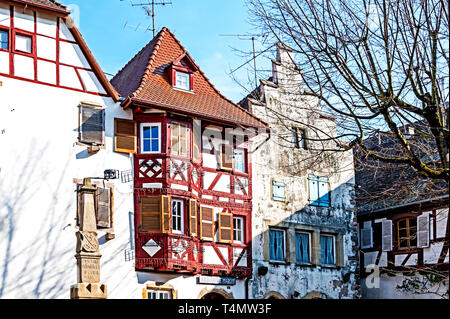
[196, 23]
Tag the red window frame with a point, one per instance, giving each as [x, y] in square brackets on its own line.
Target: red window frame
[25, 34]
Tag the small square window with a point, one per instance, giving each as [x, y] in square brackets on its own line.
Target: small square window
[150, 138]
[4, 40]
[302, 248]
[327, 250]
[319, 194]
[276, 245]
[278, 191]
[23, 43]
[158, 294]
[239, 160]
[298, 137]
[238, 229]
[177, 217]
[92, 126]
[182, 80]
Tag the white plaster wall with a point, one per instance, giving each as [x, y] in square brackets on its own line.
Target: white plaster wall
[187, 286]
[388, 289]
[39, 159]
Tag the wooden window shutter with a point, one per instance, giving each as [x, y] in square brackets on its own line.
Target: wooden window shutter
[206, 223]
[103, 207]
[151, 214]
[125, 136]
[386, 230]
[196, 142]
[183, 140]
[366, 238]
[225, 227]
[174, 141]
[165, 209]
[227, 157]
[92, 124]
[193, 217]
[423, 231]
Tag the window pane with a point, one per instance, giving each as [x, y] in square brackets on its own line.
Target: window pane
[155, 132]
[4, 40]
[182, 80]
[155, 145]
[276, 245]
[23, 43]
[146, 132]
[302, 248]
[146, 146]
[327, 250]
[239, 160]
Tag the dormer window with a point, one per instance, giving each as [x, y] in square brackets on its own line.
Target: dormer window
[181, 73]
[182, 80]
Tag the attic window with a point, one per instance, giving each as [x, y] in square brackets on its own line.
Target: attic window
[182, 80]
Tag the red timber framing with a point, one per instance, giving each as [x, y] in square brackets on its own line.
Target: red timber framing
[402, 213]
[182, 178]
[61, 16]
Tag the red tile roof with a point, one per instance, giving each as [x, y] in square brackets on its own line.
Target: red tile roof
[145, 79]
[46, 4]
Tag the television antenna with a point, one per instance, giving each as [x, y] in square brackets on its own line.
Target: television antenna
[251, 37]
[149, 8]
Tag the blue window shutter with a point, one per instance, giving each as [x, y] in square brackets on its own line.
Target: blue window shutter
[313, 188]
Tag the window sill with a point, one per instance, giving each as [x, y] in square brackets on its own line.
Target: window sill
[329, 266]
[305, 265]
[278, 262]
[183, 90]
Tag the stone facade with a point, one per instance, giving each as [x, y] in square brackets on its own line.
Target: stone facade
[280, 160]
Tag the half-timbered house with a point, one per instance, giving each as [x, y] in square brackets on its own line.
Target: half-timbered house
[403, 225]
[192, 175]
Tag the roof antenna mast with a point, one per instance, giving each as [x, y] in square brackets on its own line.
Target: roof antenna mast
[248, 37]
[151, 12]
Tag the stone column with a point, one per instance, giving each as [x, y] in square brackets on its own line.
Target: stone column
[87, 250]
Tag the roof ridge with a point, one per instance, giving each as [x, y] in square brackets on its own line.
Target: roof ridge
[146, 74]
[210, 83]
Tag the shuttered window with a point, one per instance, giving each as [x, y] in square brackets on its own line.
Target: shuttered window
[151, 214]
[206, 223]
[177, 216]
[92, 124]
[125, 139]
[423, 231]
[278, 191]
[318, 188]
[225, 227]
[298, 138]
[386, 232]
[407, 233]
[226, 161]
[238, 229]
[103, 202]
[179, 139]
[366, 238]
[193, 217]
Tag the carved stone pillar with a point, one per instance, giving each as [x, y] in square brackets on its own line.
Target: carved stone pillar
[88, 256]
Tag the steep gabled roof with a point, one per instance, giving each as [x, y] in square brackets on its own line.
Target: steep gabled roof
[145, 79]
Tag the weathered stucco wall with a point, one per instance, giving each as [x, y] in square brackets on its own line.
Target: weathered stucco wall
[283, 104]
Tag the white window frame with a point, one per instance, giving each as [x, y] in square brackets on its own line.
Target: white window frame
[334, 250]
[240, 150]
[159, 293]
[188, 88]
[284, 246]
[158, 124]
[237, 230]
[180, 216]
[27, 50]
